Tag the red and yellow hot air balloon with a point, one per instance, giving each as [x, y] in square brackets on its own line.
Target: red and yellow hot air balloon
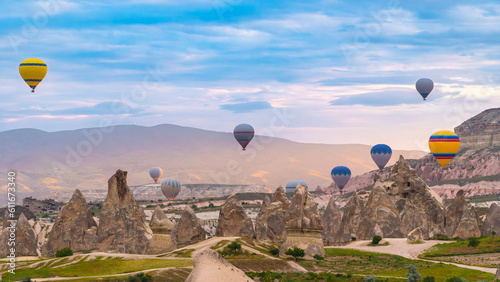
[33, 71]
[444, 146]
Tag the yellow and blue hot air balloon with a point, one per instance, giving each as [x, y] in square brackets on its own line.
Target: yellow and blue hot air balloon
[33, 71]
[444, 146]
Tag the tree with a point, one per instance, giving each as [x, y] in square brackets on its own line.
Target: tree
[211, 205]
[474, 242]
[429, 279]
[295, 252]
[274, 251]
[318, 258]
[376, 239]
[413, 275]
[456, 279]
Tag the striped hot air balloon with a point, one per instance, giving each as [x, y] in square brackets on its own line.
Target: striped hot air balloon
[243, 134]
[155, 173]
[170, 188]
[33, 71]
[444, 146]
[341, 175]
[381, 154]
[292, 184]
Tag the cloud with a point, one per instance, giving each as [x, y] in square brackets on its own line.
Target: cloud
[246, 107]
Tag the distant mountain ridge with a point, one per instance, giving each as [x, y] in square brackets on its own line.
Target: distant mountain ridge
[476, 166]
[47, 162]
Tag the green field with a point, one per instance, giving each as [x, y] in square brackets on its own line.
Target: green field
[357, 262]
[487, 245]
[95, 267]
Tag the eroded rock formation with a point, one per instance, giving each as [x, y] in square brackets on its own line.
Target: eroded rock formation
[415, 237]
[121, 227]
[332, 218]
[188, 230]
[25, 239]
[74, 228]
[233, 221]
[303, 225]
[461, 219]
[280, 195]
[162, 227]
[492, 222]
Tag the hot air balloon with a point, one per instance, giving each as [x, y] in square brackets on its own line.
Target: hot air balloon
[444, 146]
[381, 154]
[291, 185]
[170, 188]
[33, 71]
[424, 87]
[341, 175]
[243, 134]
[155, 173]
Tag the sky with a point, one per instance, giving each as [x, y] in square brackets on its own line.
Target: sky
[335, 72]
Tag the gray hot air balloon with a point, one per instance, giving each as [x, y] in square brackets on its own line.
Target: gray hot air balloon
[170, 188]
[155, 173]
[424, 87]
[243, 134]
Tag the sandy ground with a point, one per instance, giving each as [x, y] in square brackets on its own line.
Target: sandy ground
[401, 248]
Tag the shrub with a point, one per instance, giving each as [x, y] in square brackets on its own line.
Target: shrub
[274, 251]
[413, 275]
[429, 279]
[456, 279]
[370, 278]
[211, 205]
[295, 252]
[26, 279]
[474, 242]
[64, 252]
[318, 258]
[376, 239]
[234, 248]
[140, 277]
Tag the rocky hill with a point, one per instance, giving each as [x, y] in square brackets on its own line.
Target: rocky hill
[475, 168]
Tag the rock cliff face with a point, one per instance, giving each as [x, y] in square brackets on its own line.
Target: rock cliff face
[461, 219]
[492, 222]
[350, 220]
[74, 228]
[233, 221]
[379, 216]
[26, 244]
[188, 230]
[270, 223]
[280, 195]
[482, 130]
[303, 225]
[332, 218]
[121, 227]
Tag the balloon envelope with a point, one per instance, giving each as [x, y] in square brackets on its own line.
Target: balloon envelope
[444, 146]
[341, 175]
[170, 188]
[33, 71]
[424, 87]
[243, 134]
[155, 173]
[381, 154]
[291, 185]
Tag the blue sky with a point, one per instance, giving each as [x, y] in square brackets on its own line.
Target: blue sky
[341, 71]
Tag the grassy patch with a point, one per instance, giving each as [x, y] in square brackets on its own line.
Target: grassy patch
[358, 262]
[220, 244]
[260, 265]
[487, 245]
[184, 253]
[96, 267]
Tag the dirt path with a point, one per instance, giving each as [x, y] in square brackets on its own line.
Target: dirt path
[411, 251]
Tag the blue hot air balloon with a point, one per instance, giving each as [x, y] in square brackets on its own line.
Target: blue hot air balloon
[170, 188]
[424, 87]
[291, 185]
[243, 134]
[381, 154]
[341, 175]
